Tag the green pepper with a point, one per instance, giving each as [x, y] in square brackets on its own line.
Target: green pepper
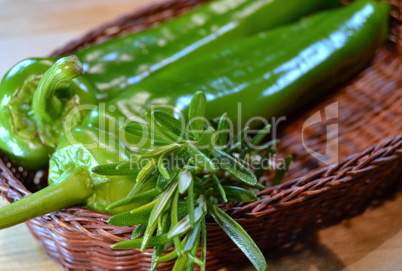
[289, 64]
[118, 64]
[71, 181]
[123, 62]
[270, 74]
[33, 115]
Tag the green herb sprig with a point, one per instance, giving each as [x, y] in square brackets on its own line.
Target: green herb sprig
[191, 171]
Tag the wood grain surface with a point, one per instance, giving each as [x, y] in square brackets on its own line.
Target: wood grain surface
[370, 242]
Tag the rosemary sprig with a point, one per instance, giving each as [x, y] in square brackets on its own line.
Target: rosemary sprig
[193, 168]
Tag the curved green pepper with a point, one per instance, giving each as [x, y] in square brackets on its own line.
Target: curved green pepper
[35, 99]
[341, 44]
[71, 181]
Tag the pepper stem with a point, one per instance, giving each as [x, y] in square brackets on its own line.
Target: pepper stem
[74, 188]
[46, 107]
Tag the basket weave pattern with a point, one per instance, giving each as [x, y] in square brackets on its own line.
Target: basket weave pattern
[370, 150]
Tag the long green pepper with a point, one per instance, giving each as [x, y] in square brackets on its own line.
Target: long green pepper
[130, 59]
[118, 64]
[281, 74]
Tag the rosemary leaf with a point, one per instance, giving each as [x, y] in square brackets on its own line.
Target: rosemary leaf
[239, 236]
[239, 194]
[280, 173]
[147, 171]
[147, 195]
[138, 243]
[194, 260]
[144, 132]
[260, 135]
[157, 129]
[181, 263]
[235, 167]
[196, 113]
[138, 231]
[163, 228]
[168, 257]
[241, 137]
[162, 150]
[162, 167]
[200, 158]
[193, 238]
[223, 130]
[190, 200]
[185, 180]
[129, 219]
[174, 220]
[146, 207]
[171, 125]
[203, 244]
[156, 211]
[184, 225]
[206, 142]
[267, 146]
[219, 187]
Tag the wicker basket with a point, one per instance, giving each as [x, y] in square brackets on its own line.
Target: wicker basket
[370, 151]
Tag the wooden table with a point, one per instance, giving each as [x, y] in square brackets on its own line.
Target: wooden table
[370, 242]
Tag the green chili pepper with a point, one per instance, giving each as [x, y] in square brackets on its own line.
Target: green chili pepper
[115, 65]
[269, 73]
[35, 100]
[123, 62]
[269, 84]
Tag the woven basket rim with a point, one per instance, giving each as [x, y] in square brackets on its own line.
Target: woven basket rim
[285, 192]
[291, 187]
[284, 196]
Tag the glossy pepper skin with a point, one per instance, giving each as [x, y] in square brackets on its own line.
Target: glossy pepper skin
[30, 128]
[118, 64]
[71, 181]
[270, 74]
[347, 35]
[115, 65]
[123, 62]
